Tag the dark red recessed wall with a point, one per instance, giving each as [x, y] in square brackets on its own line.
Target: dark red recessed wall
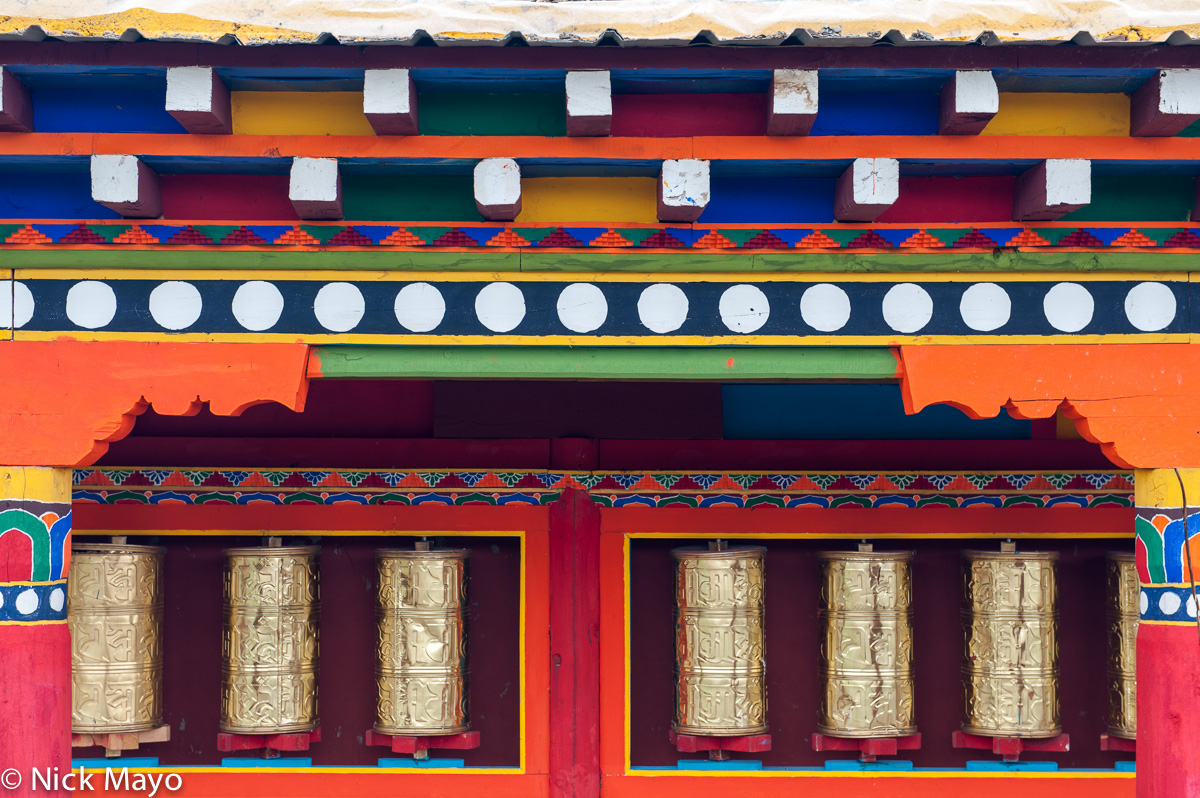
[792, 650]
[192, 650]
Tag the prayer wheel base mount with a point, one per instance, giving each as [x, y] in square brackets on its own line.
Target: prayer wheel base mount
[1011, 748]
[695, 743]
[868, 748]
[114, 743]
[295, 741]
[1110, 742]
[419, 746]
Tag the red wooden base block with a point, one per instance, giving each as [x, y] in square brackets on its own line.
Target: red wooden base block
[868, 748]
[276, 742]
[1109, 743]
[1011, 748]
[419, 746]
[716, 746]
[114, 744]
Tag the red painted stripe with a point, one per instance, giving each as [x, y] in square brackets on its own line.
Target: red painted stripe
[953, 199]
[667, 115]
[214, 197]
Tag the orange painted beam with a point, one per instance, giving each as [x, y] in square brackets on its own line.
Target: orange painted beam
[908, 785]
[321, 783]
[1140, 402]
[810, 148]
[64, 401]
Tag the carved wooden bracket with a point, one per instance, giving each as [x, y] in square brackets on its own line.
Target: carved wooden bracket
[62, 402]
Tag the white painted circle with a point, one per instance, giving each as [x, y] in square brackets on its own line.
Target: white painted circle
[57, 599]
[744, 308]
[985, 307]
[257, 305]
[420, 307]
[16, 304]
[1169, 603]
[825, 307]
[91, 304]
[662, 307]
[339, 307]
[582, 307]
[1150, 306]
[1190, 606]
[27, 602]
[1068, 307]
[1, 599]
[500, 307]
[175, 305]
[1144, 601]
[907, 307]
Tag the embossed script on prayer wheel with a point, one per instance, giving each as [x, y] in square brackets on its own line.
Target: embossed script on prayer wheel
[421, 666]
[114, 612]
[866, 644]
[269, 644]
[1010, 635]
[1122, 613]
[720, 672]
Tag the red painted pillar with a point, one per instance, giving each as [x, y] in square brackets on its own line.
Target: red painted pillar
[35, 646]
[574, 646]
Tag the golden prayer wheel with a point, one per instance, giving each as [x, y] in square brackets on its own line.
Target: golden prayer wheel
[269, 641]
[1010, 637]
[720, 671]
[866, 644]
[421, 663]
[114, 612]
[1124, 594]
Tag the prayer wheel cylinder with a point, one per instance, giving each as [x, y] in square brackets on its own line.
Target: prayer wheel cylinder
[421, 662]
[270, 642]
[720, 671]
[1010, 636]
[866, 644]
[114, 612]
[1123, 596]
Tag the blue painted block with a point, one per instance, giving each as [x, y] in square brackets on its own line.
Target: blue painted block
[1125, 767]
[726, 764]
[103, 111]
[872, 114]
[854, 764]
[116, 762]
[420, 763]
[994, 766]
[769, 200]
[277, 762]
[57, 195]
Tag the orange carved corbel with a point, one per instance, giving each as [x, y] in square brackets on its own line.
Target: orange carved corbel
[62, 402]
[1140, 402]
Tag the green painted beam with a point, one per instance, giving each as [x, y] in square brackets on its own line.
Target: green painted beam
[872, 364]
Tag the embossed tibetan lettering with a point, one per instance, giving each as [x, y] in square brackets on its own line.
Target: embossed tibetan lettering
[114, 612]
[1122, 614]
[1010, 644]
[421, 663]
[866, 644]
[269, 646]
[720, 671]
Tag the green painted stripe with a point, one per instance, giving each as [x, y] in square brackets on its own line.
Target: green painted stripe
[437, 259]
[561, 363]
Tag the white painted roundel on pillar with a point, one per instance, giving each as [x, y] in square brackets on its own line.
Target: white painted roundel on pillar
[91, 304]
[662, 308]
[58, 599]
[500, 307]
[420, 307]
[27, 602]
[825, 307]
[1168, 603]
[16, 304]
[907, 308]
[744, 308]
[175, 305]
[257, 305]
[582, 307]
[1068, 307]
[1150, 306]
[339, 307]
[985, 307]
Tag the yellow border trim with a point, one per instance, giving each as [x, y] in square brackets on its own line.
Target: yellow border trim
[35, 584]
[883, 535]
[33, 623]
[876, 774]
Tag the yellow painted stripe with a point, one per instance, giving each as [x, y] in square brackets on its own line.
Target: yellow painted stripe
[33, 623]
[300, 113]
[40, 584]
[872, 774]
[586, 199]
[1159, 487]
[34, 482]
[381, 533]
[890, 535]
[1023, 114]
